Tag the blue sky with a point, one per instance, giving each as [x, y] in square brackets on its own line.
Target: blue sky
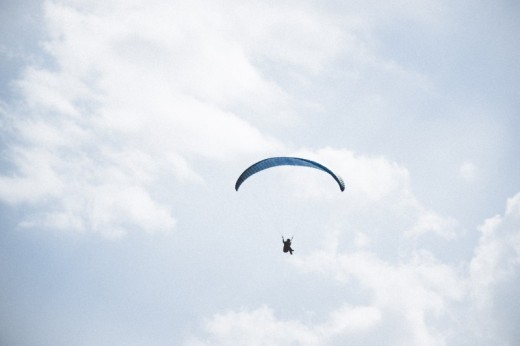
[124, 125]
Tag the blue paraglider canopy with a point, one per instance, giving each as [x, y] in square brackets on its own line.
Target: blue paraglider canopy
[285, 161]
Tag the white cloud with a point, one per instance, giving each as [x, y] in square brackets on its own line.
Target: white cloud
[138, 91]
[262, 327]
[417, 299]
[133, 97]
[408, 304]
[376, 186]
[497, 256]
[416, 292]
[412, 298]
[37, 177]
[296, 36]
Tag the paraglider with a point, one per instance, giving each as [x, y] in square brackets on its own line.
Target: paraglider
[286, 161]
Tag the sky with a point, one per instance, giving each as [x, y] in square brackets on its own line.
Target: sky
[125, 124]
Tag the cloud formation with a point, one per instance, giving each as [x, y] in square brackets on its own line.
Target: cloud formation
[419, 300]
[136, 102]
[261, 327]
[132, 95]
[497, 255]
[124, 107]
[370, 242]
[412, 295]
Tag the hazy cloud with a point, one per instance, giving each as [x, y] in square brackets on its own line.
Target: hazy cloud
[137, 116]
[497, 256]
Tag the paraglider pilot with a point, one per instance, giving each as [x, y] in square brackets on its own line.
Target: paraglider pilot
[287, 245]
